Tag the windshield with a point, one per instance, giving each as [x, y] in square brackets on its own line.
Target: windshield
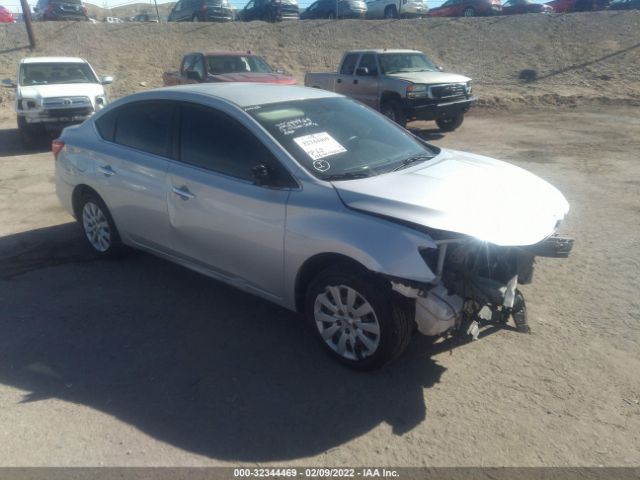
[338, 138]
[231, 64]
[405, 62]
[55, 73]
[224, 3]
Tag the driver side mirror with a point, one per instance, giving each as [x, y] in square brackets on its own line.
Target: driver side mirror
[106, 80]
[261, 174]
[8, 83]
[440, 67]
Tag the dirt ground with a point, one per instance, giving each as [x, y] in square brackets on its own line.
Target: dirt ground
[141, 362]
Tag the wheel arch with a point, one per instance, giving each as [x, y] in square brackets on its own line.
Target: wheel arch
[389, 95]
[78, 192]
[314, 265]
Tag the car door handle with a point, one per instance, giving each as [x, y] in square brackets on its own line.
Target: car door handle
[339, 80]
[355, 82]
[106, 170]
[183, 192]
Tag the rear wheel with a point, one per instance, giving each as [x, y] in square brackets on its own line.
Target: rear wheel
[449, 124]
[98, 227]
[469, 12]
[357, 318]
[393, 110]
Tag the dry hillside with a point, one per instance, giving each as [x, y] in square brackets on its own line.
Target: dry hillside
[578, 58]
[127, 11]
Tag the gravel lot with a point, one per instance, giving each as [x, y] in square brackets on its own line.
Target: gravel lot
[140, 362]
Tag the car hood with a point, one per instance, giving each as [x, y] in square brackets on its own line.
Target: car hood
[430, 77]
[469, 194]
[38, 92]
[254, 77]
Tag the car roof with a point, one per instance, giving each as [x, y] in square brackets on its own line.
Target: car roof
[52, 60]
[228, 54]
[248, 94]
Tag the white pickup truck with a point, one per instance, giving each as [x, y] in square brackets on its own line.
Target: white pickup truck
[54, 92]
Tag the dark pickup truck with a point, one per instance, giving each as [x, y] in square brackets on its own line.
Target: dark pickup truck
[200, 67]
[404, 85]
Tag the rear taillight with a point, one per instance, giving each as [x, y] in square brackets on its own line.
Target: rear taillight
[56, 146]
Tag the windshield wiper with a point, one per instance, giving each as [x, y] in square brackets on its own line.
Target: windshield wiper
[411, 160]
[346, 176]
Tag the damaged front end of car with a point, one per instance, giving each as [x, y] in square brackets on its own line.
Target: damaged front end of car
[475, 284]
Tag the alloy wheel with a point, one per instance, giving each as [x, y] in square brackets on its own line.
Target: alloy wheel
[347, 322]
[96, 227]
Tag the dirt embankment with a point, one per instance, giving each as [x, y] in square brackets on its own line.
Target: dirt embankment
[575, 58]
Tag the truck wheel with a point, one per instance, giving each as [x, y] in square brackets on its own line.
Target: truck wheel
[449, 124]
[469, 12]
[391, 12]
[357, 318]
[393, 110]
[27, 134]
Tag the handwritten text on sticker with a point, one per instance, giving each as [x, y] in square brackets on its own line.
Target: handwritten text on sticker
[319, 145]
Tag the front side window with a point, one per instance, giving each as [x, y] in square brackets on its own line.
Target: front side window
[56, 73]
[368, 61]
[145, 126]
[212, 140]
[338, 138]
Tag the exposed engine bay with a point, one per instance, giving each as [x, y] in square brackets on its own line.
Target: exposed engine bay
[471, 277]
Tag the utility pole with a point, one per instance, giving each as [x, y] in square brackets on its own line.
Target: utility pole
[157, 13]
[26, 14]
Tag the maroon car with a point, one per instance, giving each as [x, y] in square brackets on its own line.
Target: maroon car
[6, 16]
[200, 67]
[514, 7]
[466, 8]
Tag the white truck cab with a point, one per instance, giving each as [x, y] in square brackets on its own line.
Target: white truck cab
[54, 92]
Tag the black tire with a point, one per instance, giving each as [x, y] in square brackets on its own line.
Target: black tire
[393, 109]
[449, 124]
[391, 315]
[391, 12]
[469, 12]
[28, 134]
[114, 247]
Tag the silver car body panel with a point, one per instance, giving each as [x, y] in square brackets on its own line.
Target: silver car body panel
[258, 238]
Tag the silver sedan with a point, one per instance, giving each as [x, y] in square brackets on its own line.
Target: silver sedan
[317, 203]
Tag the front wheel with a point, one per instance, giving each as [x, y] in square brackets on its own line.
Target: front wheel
[449, 124]
[28, 134]
[357, 318]
[393, 110]
[391, 12]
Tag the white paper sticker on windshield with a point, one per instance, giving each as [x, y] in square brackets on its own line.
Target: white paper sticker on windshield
[319, 145]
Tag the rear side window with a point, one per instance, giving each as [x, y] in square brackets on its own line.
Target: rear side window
[349, 64]
[145, 126]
